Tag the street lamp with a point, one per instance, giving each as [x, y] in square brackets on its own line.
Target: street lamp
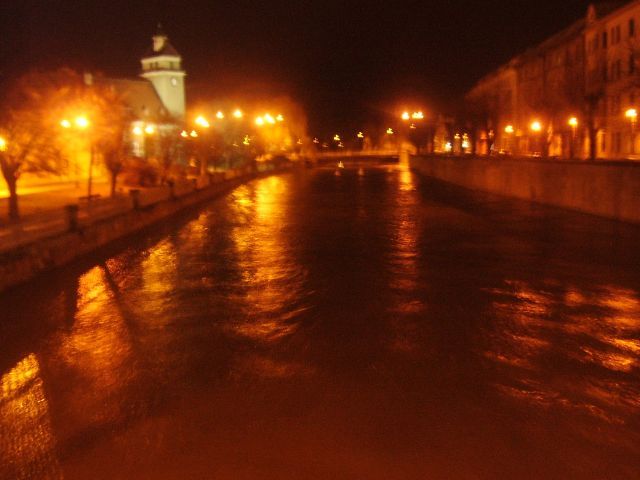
[536, 128]
[81, 122]
[405, 116]
[3, 144]
[632, 115]
[573, 123]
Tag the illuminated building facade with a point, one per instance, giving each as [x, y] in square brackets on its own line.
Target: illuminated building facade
[575, 90]
[156, 102]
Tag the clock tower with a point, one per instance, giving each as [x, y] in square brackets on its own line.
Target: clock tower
[162, 66]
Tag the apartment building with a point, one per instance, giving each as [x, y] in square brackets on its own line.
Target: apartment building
[574, 95]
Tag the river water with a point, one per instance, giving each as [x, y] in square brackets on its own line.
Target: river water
[364, 323]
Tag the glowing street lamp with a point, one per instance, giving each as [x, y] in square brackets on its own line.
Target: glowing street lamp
[536, 126]
[3, 144]
[389, 131]
[149, 130]
[184, 134]
[269, 119]
[632, 115]
[259, 121]
[280, 118]
[573, 123]
[81, 122]
[219, 115]
[237, 113]
[405, 116]
[360, 135]
[509, 129]
[202, 121]
[417, 115]
[193, 134]
[336, 138]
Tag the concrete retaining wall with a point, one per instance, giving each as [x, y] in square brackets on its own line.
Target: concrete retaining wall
[24, 262]
[608, 189]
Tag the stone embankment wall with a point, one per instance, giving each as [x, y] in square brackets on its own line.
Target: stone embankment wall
[25, 261]
[608, 189]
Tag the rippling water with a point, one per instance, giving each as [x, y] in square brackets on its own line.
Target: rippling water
[364, 323]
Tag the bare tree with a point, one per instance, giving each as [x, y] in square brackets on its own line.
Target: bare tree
[29, 123]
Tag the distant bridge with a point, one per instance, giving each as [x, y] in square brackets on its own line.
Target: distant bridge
[360, 155]
[401, 155]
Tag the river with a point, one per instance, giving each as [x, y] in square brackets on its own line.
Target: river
[363, 323]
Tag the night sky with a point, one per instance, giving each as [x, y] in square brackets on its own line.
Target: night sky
[345, 61]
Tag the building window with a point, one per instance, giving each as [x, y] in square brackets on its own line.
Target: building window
[604, 39]
[632, 27]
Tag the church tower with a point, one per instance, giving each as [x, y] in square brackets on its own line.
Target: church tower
[162, 67]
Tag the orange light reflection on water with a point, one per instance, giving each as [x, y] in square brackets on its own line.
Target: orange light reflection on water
[27, 442]
[599, 331]
[97, 350]
[271, 277]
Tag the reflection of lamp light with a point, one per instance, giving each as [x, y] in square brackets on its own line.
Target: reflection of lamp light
[336, 138]
[360, 135]
[3, 145]
[389, 131]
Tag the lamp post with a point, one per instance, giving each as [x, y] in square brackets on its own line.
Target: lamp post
[82, 123]
[536, 128]
[509, 131]
[632, 115]
[573, 123]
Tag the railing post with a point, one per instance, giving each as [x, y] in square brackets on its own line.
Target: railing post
[135, 198]
[72, 217]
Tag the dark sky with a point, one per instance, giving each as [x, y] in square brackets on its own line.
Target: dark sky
[343, 60]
